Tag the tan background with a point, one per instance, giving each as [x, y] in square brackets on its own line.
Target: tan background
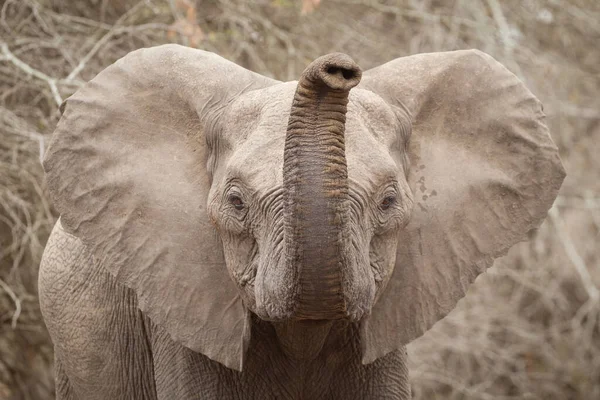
[529, 329]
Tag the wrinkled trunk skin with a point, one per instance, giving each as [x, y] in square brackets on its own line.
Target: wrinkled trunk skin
[315, 183]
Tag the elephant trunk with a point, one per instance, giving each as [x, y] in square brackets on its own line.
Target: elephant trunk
[315, 183]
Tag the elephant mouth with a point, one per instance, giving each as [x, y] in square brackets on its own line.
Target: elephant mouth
[284, 307]
[365, 274]
[360, 283]
[247, 275]
[377, 268]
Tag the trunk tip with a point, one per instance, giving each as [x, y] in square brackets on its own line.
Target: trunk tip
[336, 71]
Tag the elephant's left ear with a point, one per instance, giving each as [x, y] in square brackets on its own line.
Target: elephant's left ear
[127, 170]
[484, 172]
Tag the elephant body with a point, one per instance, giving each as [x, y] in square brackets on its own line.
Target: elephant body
[129, 357]
[224, 235]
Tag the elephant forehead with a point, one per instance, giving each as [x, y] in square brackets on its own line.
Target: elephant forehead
[258, 127]
[371, 133]
[258, 113]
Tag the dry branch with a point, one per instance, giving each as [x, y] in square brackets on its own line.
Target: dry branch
[32, 71]
[576, 259]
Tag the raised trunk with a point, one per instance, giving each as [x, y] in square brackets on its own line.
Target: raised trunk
[315, 182]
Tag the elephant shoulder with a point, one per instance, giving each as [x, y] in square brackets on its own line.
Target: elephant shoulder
[78, 297]
[69, 278]
[65, 270]
[93, 320]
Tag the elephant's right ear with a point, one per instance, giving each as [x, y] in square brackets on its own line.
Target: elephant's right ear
[126, 169]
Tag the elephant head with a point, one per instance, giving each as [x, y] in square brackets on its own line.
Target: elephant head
[214, 192]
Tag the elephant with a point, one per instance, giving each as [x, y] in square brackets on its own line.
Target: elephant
[224, 235]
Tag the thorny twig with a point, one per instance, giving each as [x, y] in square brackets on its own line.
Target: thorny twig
[9, 56]
[15, 300]
[100, 43]
[576, 260]
[507, 40]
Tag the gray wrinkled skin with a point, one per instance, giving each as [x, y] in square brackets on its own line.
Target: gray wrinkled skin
[227, 236]
[107, 349]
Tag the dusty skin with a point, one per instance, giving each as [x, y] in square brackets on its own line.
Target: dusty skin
[228, 236]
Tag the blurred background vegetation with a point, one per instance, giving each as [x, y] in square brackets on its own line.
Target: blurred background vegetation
[528, 329]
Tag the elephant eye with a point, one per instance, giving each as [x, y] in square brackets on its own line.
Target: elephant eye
[236, 201]
[387, 202]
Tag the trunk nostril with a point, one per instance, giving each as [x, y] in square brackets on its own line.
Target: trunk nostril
[346, 73]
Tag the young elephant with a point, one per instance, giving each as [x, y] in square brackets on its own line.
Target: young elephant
[228, 236]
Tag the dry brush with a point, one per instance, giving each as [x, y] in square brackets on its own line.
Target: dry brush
[529, 329]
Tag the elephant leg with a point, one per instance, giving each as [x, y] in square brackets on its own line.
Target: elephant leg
[385, 378]
[99, 334]
[388, 377]
[183, 374]
[64, 391]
